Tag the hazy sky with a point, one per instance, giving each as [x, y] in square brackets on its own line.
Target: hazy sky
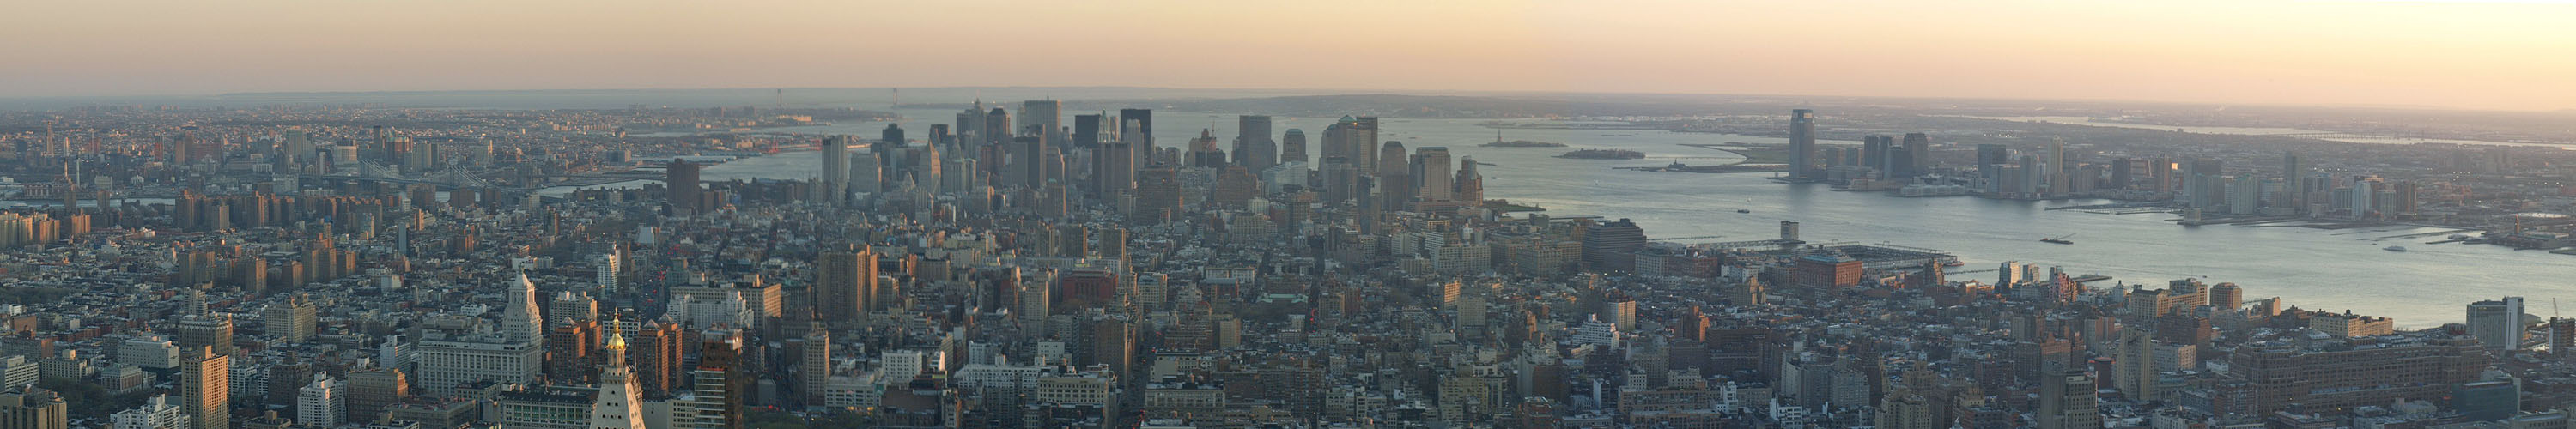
[2477, 54]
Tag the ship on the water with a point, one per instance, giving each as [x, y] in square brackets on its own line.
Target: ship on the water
[2058, 239]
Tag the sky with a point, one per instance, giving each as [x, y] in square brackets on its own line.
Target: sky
[2506, 55]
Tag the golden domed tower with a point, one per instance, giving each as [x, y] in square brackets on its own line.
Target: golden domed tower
[619, 405]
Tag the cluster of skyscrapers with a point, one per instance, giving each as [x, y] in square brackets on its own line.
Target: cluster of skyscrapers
[990, 161]
[2205, 184]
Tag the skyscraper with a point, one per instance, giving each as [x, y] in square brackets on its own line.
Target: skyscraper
[1203, 152]
[890, 138]
[299, 146]
[2562, 337]
[604, 270]
[1363, 135]
[1877, 152]
[1087, 129]
[681, 177]
[569, 354]
[1027, 164]
[618, 405]
[1339, 178]
[1114, 168]
[836, 170]
[2123, 172]
[520, 321]
[2293, 189]
[2497, 323]
[1470, 185]
[205, 389]
[322, 402]
[1802, 144]
[720, 383]
[1158, 195]
[28, 407]
[1041, 117]
[215, 333]
[655, 356]
[1918, 154]
[816, 365]
[2059, 180]
[1139, 135]
[1253, 148]
[867, 173]
[1990, 161]
[2405, 194]
[970, 125]
[844, 283]
[2067, 401]
[1394, 173]
[1339, 144]
[2135, 363]
[1436, 177]
[1292, 146]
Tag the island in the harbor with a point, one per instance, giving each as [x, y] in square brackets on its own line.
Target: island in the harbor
[1498, 142]
[1753, 154]
[1521, 143]
[1756, 159]
[1603, 154]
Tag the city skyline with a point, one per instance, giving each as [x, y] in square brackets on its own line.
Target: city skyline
[2453, 54]
[1505, 215]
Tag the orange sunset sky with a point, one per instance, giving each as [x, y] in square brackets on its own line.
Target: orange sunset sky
[2517, 55]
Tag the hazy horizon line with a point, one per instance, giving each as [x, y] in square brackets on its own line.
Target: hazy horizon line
[1309, 91]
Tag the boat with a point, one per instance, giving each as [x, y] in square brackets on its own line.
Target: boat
[2394, 248]
[1743, 211]
[2058, 239]
[2460, 236]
